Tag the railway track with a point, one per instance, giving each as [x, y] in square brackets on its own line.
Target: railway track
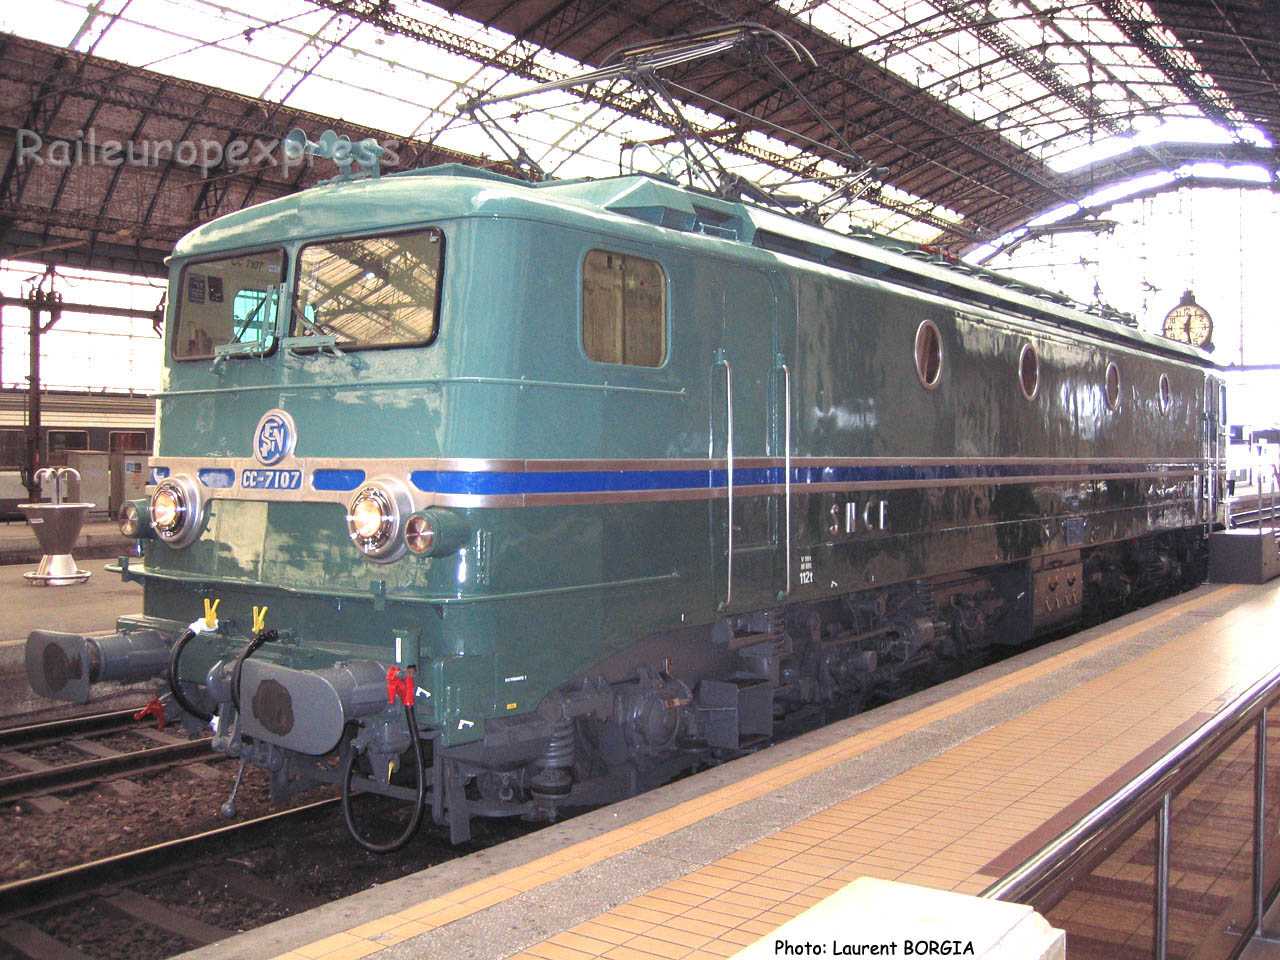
[1250, 511]
[70, 754]
[41, 733]
[185, 893]
[105, 887]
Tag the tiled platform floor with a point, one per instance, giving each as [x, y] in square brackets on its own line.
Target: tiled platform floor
[958, 820]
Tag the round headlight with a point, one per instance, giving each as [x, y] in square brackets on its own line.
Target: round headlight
[130, 520]
[418, 534]
[167, 509]
[175, 511]
[375, 519]
[371, 517]
[435, 532]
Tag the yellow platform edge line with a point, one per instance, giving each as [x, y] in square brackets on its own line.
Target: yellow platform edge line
[481, 894]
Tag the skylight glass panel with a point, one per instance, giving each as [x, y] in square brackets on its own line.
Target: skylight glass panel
[57, 21]
[220, 67]
[467, 137]
[190, 19]
[1153, 132]
[951, 56]
[392, 47]
[286, 79]
[1111, 194]
[124, 39]
[1243, 172]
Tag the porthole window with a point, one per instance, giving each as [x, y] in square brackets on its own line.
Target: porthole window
[1166, 393]
[1029, 371]
[928, 354]
[1113, 386]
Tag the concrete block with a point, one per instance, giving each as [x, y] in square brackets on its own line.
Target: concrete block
[41, 805]
[199, 771]
[1244, 556]
[125, 789]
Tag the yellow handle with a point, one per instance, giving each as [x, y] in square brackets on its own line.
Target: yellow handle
[259, 618]
[211, 613]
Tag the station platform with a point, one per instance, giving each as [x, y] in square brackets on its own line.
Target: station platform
[89, 608]
[949, 789]
[98, 539]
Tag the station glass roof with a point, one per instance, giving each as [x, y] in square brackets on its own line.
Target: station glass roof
[1059, 80]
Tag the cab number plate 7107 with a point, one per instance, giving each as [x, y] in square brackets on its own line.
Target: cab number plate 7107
[271, 479]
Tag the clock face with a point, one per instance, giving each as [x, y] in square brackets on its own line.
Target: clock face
[1189, 323]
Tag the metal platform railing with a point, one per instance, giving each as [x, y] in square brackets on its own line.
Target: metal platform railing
[1251, 513]
[1257, 509]
[1181, 862]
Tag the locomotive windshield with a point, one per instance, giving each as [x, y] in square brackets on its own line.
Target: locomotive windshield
[371, 291]
[229, 300]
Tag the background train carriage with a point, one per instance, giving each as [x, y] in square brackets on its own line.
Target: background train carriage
[674, 465]
[70, 421]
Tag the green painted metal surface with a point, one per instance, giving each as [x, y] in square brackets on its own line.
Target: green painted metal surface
[541, 593]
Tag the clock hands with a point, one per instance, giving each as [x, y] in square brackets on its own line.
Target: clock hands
[1188, 323]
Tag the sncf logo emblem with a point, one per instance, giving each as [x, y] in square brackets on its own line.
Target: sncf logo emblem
[275, 437]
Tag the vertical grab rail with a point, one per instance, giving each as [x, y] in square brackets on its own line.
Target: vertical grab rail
[1259, 821]
[728, 451]
[786, 461]
[1275, 475]
[1164, 843]
[1211, 416]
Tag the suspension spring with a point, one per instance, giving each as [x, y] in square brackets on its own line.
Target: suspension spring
[560, 750]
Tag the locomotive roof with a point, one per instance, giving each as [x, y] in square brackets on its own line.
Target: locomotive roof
[397, 200]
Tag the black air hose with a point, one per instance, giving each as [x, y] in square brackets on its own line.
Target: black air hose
[172, 676]
[265, 636]
[419, 802]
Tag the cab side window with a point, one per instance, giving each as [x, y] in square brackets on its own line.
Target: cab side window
[624, 309]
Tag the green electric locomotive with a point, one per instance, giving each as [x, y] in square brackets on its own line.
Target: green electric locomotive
[502, 497]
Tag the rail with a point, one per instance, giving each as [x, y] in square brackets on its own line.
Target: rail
[117, 870]
[1162, 810]
[51, 731]
[85, 772]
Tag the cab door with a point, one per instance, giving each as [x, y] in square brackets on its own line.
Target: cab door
[748, 433]
[1213, 487]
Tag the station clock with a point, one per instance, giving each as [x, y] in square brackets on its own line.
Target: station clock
[1189, 322]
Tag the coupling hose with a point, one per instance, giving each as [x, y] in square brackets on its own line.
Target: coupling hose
[419, 800]
[171, 674]
[264, 636]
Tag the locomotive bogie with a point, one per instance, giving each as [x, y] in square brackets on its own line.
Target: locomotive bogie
[647, 477]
